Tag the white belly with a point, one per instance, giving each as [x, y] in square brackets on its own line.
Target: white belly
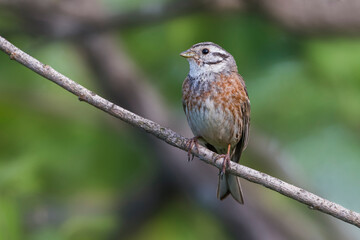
[215, 124]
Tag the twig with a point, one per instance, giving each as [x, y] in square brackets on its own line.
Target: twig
[174, 139]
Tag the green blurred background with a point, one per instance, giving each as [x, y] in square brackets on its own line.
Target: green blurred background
[64, 169]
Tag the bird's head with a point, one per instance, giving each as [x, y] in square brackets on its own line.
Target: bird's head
[208, 57]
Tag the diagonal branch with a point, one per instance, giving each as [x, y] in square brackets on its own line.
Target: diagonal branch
[126, 85]
[176, 140]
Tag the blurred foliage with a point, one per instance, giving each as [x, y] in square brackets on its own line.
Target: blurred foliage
[305, 92]
[180, 221]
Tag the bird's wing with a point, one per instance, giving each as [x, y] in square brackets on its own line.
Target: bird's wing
[185, 92]
[245, 110]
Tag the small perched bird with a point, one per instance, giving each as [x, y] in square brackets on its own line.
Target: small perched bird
[217, 108]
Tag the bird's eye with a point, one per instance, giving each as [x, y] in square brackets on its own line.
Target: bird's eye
[205, 51]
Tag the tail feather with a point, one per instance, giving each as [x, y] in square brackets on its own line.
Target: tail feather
[230, 184]
[223, 189]
[235, 188]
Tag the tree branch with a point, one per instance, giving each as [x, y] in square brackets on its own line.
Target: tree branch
[123, 83]
[174, 139]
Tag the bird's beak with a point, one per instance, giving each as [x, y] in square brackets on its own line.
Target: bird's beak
[188, 54]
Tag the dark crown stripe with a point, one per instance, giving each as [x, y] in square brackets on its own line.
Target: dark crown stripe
[203, 44]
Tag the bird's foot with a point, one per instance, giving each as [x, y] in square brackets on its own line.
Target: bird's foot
[190, 144]
[226, 161]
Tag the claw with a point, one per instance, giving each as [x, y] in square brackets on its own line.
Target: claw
[221, 174]
[226, 161]
[191, 143]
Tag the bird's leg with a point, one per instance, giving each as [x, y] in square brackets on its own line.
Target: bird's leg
[191, 143]
[226, 161]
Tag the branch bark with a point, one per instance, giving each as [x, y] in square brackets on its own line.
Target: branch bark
[176, 140]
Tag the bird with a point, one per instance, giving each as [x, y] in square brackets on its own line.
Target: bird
[217, 107]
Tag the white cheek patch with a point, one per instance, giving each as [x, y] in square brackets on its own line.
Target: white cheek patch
[219, 67]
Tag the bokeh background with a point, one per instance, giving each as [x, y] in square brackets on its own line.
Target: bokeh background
[70, 171]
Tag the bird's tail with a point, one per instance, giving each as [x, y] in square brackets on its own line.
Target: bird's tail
[230, 184]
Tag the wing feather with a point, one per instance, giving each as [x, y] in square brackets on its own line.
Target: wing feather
[245, 130]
